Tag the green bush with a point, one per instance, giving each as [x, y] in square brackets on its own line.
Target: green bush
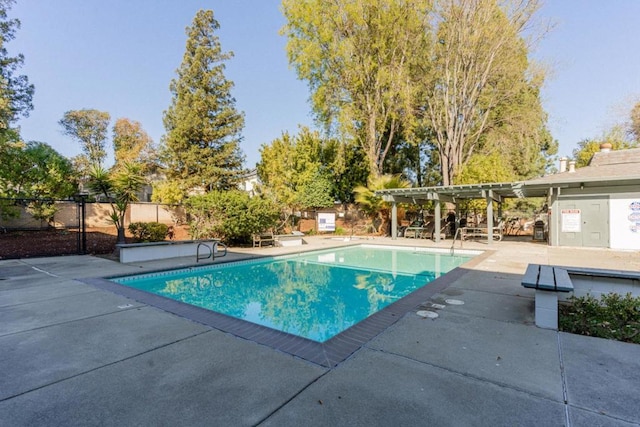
[613, 316]
[339, 231]
[8, 209]
[148, 231]
[231, 216]
[42, 210]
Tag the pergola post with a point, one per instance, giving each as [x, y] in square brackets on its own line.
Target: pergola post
[437, 219]
[553, 235]
[489, 198]
[394, 220]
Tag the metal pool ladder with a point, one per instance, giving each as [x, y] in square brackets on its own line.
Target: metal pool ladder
[452, 250]
[211, 250]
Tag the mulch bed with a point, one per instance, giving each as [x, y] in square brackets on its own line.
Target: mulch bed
[54, 242]
[40, 243]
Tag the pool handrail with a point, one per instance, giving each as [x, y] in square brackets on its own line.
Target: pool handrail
[212, 250]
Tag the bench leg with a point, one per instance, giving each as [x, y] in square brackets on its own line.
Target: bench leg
[546, 309]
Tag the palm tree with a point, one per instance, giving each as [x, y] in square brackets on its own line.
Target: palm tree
[120, 186]
[373, 205]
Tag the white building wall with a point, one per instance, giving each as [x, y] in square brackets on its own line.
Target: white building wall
[250, 185]
[624, 221]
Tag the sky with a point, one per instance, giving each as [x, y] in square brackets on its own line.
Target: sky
[120, 56]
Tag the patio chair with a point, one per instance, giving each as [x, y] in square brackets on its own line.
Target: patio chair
[263, 239]
[427, 230]
[414, 230]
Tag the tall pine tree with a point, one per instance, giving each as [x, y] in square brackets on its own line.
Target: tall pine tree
[202, 143]
[15, 90]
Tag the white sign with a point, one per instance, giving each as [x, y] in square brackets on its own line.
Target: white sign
[624, 221]
[326, 221]
[571, 220]
[634, 216]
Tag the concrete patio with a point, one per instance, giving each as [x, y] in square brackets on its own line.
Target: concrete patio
[72, 354]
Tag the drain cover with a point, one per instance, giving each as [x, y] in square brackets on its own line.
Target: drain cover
[122, 307]
[428, 314]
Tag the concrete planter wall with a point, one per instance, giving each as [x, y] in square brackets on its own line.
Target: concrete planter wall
[598, 282]
[136, 252]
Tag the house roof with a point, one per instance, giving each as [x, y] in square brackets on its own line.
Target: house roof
[621, 157]
[604, 167]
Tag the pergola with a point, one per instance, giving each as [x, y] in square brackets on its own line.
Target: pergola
[491, 192]
[608, 173]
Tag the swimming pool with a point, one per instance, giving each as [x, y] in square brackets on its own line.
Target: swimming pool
[314, 295]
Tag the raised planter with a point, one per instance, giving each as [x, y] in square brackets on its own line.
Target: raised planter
[553, 284]
[598, 282]
[136, 252]
[289, 239]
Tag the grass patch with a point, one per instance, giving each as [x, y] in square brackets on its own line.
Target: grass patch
[613, 316]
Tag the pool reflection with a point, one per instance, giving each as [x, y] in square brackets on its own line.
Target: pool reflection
[311, 300]
[315, 295]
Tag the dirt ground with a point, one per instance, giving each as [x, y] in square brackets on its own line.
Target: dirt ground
[28, 244]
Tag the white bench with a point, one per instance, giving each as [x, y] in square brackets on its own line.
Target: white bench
[547, 281]
[479, 232]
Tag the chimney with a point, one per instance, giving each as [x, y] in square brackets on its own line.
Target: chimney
[563, 164]
[572, 166]
[605, 147]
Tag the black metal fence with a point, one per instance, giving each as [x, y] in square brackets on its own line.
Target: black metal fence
[70, 227]
[45, 227]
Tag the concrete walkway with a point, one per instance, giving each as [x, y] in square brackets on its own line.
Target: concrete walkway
[71, 354]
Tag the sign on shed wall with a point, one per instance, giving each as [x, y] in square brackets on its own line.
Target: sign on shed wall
[571, 219]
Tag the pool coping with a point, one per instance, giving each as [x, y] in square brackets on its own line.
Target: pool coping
[327, 354]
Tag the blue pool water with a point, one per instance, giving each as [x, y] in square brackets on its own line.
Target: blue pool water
[315, 295]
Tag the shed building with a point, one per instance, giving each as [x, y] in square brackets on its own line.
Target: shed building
[594, 206]
[597, 205]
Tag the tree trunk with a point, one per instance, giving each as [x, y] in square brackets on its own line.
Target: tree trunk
[121, 236]
[445, 166]
[371, 149]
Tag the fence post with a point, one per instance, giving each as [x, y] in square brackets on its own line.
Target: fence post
[82, 224]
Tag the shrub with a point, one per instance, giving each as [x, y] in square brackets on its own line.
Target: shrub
[339, 231]
[148, 231]
[232, 216]
[42, 210]
[613, 317]
[8, 209]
